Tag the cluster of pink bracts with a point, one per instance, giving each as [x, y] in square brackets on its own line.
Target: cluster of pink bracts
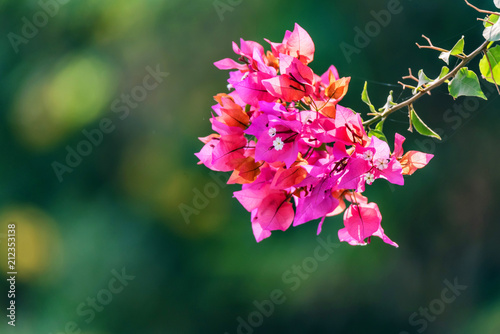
[285, 138]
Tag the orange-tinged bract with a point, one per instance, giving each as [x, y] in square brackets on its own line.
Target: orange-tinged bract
[297, 152]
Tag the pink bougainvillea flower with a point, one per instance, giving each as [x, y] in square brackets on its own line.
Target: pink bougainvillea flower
[227, 152]
[252, 90]
[350, 128]
[295, 81]
[317, 204]
[411, 160]
[232, 114]
[385, 166]
[326, 77]
[297, 44]
[296, 70]
[286, 178]
[230, 64]
[285, 88]
[297, 154]
[258, 232]
[280, 142]
[361, 221]
[247, 49]
[275, 213]
[245, 172]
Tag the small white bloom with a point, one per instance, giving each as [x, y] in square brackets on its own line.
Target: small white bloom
[381, 164]
[368, 155]
[278, 144]
[369, 178]
[229, 87]
[272, 132]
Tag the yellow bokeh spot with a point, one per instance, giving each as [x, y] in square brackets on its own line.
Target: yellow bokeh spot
[55, 103]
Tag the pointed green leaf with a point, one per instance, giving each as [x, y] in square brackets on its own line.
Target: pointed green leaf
[377, 133]
[420, 126]
[491, 62]
[388, 104]
[366, 99]
[465, 83]
[445, 70]
[492, 18]
[380, 125]
[422, 80]
[456, 50]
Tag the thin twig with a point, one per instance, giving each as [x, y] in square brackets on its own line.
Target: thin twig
[410, 76]
[430, 46]
[430, 87]
[485, 20]
[481, 10]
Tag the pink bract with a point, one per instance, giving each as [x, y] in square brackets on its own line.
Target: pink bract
[297, 152]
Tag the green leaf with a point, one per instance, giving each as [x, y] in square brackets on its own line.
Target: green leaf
[247, 108]
[492, 32]
[422, 80]
[420, 126]
[321, 148]
[445, 70]
[366, 99]
[388, 104]
[493, 55]
[492, 18]
[456, 50]
[380, 125]
[377, 133]
[465, 83]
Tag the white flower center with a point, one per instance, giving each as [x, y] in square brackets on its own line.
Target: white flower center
[278, 144]
[369, 178]
[381, 164]
[368, 155]
[272, 132]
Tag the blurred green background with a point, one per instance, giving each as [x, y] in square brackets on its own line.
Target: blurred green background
[118, 208]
